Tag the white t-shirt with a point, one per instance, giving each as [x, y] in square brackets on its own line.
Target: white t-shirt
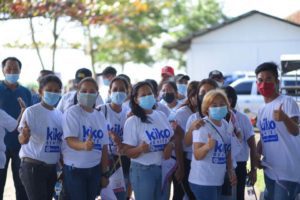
[126, 107]
[181, 117]
[115, 124]
[243, 122]
[157, 134]
[280, 148]
[191, 119]
[45, 134]
[210, 171]
[163, 108]
[79, 123]
[7, 123]
[67, 100]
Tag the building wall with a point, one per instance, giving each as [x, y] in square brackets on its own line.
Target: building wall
[241, 46]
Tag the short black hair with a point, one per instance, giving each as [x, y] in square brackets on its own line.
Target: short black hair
[12, 59]
[172, 84]
[127, 78]
[231, 94]
[267, 66]
[90, 80]
[49, 78]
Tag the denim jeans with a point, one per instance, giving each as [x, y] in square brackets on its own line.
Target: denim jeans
[13, 155]
[146, 182]
[202, 192]
[281, 190]
[38, 180]
[82, 183]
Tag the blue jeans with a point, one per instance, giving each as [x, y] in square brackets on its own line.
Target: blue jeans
[202, 192]
[13, 155]
[82, 183]
[146, 181]
[38, 180]
[282, 190]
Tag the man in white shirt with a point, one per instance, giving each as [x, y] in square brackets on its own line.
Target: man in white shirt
[69, 99]
[278, 124]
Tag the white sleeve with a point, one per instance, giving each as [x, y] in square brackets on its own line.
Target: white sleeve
[247, 127]
[290, 107]
[179, 120]
[99, 100]
[7, 122]
[200, 135]
[71, 126]
[60, 105]
[189, 122]
[130, 134]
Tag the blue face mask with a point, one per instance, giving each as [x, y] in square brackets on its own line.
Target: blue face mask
[182, 89]
[106, 82]
[118, 97]
[12, 78]
[218, 113]
[51, 98]
[147, 102]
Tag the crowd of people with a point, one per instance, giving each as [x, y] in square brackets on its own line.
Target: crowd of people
[145, 138]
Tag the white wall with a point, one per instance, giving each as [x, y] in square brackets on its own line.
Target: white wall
[242, 46]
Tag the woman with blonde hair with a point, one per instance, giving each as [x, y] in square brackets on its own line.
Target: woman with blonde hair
[211, 149]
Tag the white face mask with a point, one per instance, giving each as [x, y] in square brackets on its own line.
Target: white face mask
[87, 99]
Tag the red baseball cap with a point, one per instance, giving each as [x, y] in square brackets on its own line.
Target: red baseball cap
[167, 70]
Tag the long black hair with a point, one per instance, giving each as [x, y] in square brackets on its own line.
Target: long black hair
[191, 92]
[135, 108]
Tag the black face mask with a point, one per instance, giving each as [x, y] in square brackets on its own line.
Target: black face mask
[168, 97]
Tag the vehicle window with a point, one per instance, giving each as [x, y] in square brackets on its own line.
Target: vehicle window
[243, 88]
[291, 91]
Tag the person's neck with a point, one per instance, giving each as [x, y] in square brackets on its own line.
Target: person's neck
[11, 86]
[148, 111]
[216, 122]
[115, 107]
[173, 104]
[269, 99]
[87, 109]
[47, 106]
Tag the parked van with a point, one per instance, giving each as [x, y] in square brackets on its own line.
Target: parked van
[249, 98]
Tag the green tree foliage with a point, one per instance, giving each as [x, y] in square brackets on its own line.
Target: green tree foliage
[129, 28]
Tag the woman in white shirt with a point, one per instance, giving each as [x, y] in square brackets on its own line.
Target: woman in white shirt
[85, 146]
[180, 178]
[41, 136]
[116, 116]
[147, 139]
[211, 149]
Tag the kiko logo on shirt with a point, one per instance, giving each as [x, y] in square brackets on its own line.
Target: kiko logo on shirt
[53, 140]
[220, 150]
[267, 129]
[158, 139]
[97, 135]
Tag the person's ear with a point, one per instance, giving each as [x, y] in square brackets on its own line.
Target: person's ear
[41, 92]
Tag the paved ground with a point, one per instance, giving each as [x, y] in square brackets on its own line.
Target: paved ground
[9, 191]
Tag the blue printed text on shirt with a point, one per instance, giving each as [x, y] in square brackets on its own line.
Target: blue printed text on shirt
[158, 138]
[219, 154]
[53, 140]
[268, 130]
[97, 135]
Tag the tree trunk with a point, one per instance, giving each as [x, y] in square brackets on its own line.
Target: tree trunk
[36, 46]
[91, 51]
[55, 38]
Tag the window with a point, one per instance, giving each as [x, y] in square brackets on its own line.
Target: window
[243, 88]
